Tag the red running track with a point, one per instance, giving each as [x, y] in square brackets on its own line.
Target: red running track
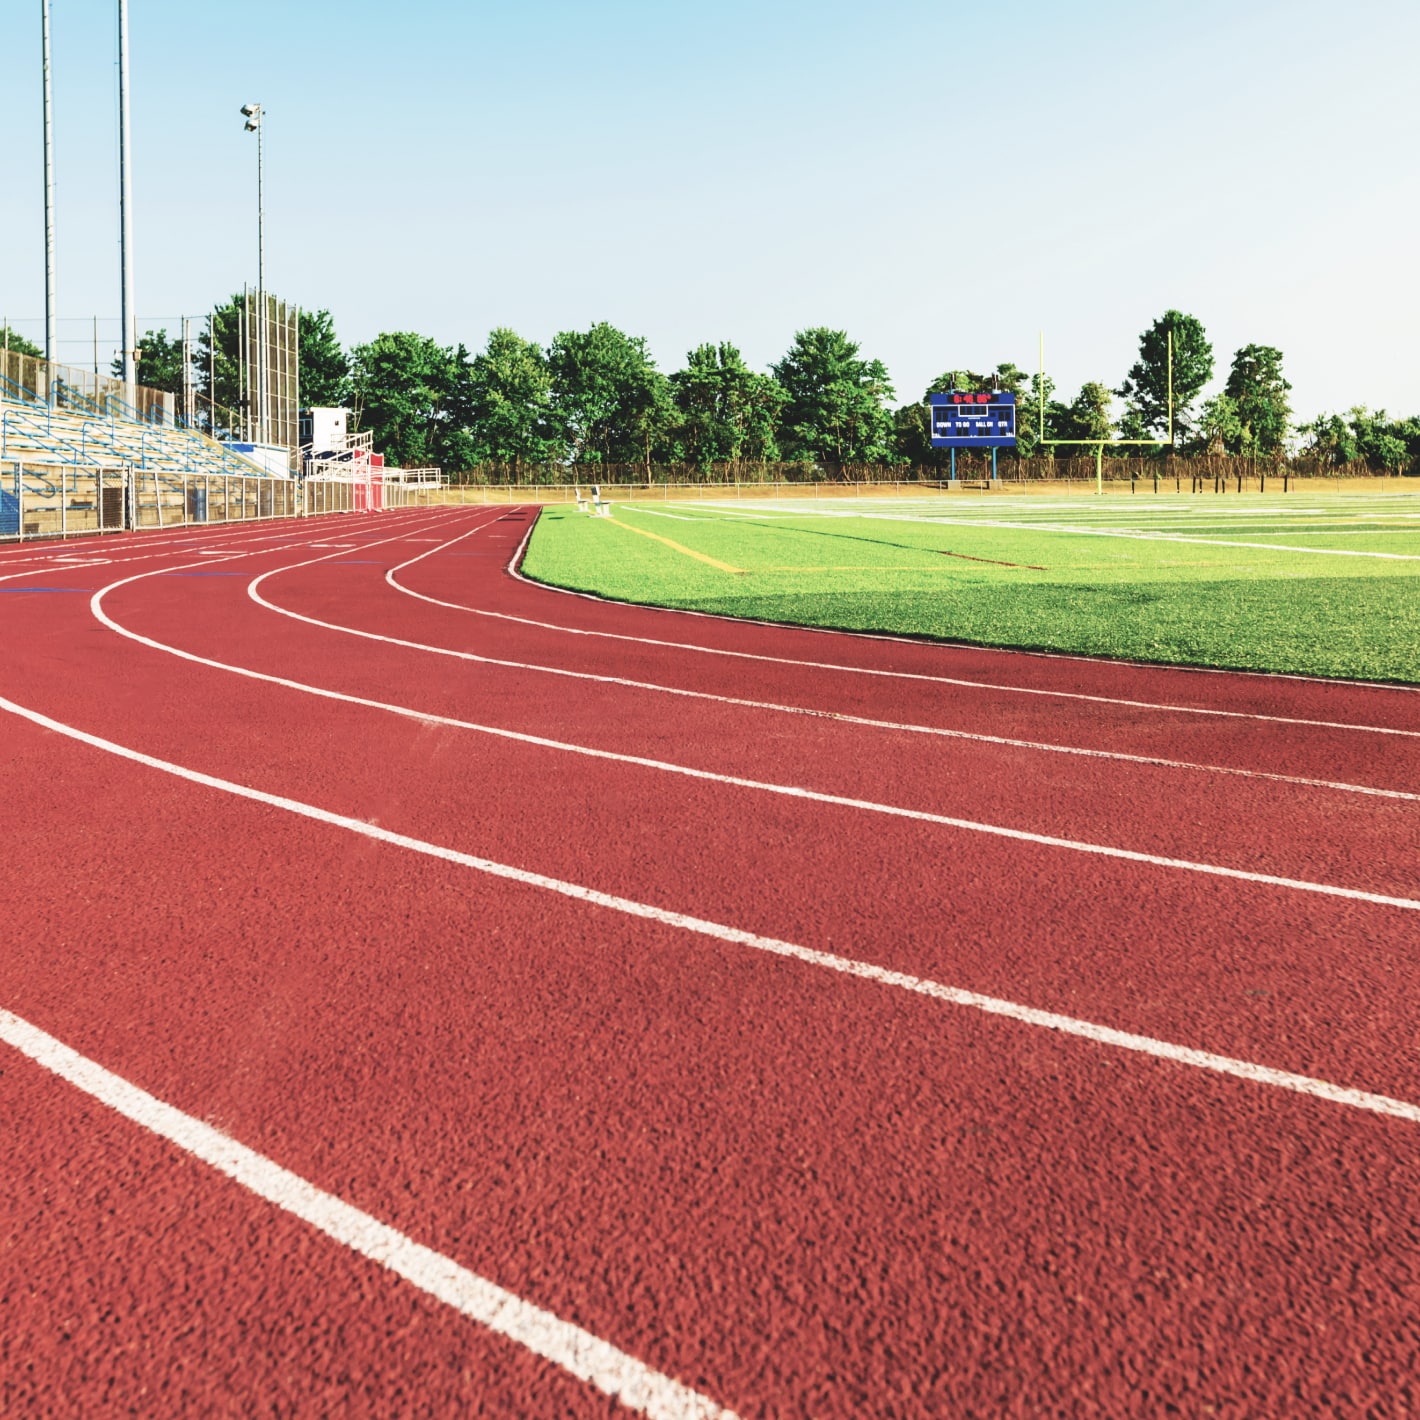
[801, 1064]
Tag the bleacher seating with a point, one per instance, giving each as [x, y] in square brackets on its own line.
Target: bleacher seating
[78, 463]
[34, 432]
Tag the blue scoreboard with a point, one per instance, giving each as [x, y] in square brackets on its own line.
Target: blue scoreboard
[962, 420]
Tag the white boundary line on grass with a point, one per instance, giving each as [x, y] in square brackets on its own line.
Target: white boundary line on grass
[635, 1384]
[846, 966]
[1075, 530]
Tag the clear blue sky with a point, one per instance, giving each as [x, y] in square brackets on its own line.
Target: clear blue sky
[939, 186]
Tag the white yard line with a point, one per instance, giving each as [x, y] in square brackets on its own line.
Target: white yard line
[1076, 530]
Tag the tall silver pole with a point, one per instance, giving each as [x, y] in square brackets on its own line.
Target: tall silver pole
[262, 373]
[50, 342]
[189, 414]
[125, 183]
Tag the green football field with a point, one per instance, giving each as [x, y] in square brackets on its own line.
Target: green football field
[1325, 585]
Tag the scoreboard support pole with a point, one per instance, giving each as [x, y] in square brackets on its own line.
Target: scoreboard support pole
[954, 466]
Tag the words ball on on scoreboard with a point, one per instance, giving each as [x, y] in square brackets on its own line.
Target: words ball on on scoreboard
[964, 419]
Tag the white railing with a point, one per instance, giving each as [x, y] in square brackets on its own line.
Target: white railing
[414, 477]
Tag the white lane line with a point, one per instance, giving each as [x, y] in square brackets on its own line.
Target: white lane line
[1006, 652]
[919, 675]
[816, 665]
[169, 548]
[635, 1384]
[939, 731]
[845, 966]
[836, 633]
[734, 781]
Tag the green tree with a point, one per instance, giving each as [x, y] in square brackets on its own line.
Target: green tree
[727, 412]
[401, 384]
[1011, 378]
[1145, 389]
[159, 362]
[16, 343]
[609, 402]
[834, 402]
[505, 402]
[217, 359]
[1384, 443]
[323, 369]
[1330, 438]
[1039, 397]
[1383, 446]
[1256, 386]
[1219, 430]
[1086, 418]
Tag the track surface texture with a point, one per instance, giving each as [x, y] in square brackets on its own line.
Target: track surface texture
[430, 993]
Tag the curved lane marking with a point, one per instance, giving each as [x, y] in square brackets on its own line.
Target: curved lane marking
[712, 776]
[884, 674]
[635, 1384]
[905, 727]
[1007, 652]
[846, 966]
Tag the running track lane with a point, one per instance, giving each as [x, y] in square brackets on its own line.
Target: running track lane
[877, 1209]
[844, 1112]
[1201, 977]
[1078, 702]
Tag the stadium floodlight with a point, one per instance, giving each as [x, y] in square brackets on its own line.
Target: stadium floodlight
[253, 115]
[51, 351]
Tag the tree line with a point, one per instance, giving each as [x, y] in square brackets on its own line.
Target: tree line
[596, 397]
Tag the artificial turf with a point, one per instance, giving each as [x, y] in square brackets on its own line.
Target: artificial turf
[1322, 586]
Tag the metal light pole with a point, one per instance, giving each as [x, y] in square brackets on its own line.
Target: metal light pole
[125, 186]
[253, 115]
[50, 343]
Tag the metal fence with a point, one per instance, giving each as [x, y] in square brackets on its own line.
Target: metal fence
[56, 501]
[34, 380]
[1174, 468]
[43, 501]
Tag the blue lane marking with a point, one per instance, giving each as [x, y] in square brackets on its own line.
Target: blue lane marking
[204, 574]
[17, 591]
